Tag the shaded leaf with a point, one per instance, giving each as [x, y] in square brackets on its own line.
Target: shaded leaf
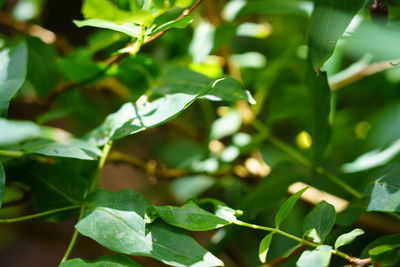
[320, 96]
[321, 219]
[116, 221]
[190, 217]
[115, 260]
[13, 65]
[385, 191]
[319, 257]
[384, 250]
[2, 183]
[264, 247]
[329, 21]
[347, 238]
[287, 206]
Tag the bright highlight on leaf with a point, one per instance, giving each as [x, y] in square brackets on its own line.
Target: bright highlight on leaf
[264, 247]
[347, 238]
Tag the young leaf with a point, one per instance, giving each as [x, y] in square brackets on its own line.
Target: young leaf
[191, 217]
[323, 35]
[13, 65]
[385, 191]
[130, 29]
[320, 95]
[321, 218]
[347, 238]
[116, 221]
[287, 206]
[180, 24]
[319, 257]
[115, 260]
[2, 183]
[264, 247]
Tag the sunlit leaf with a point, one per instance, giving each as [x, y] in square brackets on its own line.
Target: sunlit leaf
[180, 24]
[226, 125]
[264, 247]
[13, 66]
[347, 238]
[319, 257]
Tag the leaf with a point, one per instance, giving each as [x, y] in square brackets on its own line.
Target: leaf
[385, 191]
[2, 183]
[130, 29]
[191, 217]
[347, 238]
[13, 65]
[180, 24]
[264, 247]
[227, 125]
[115, 260]
[116, 221]
[320, 96]
[185, 188]
[319, 257]
[287, 206]
[42, 63]
[321, 218]
[329, 21]
[74, 148]
[384, 250]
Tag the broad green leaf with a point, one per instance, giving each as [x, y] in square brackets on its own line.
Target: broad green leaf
[191, 217]
[2, 183]
[347, 238]
[115, 260]
[384, 250]
[186, 81]
[385, 191]
[74, 148]
[130, 29]
[116, 221]
[13, 65]
[300, 8]
[329, 21]
[42, 63]
[14, 132]
[227, 125]
[287, 206]
[319, 257]
[320, 96]
[264, 247]
[180, 24]
[321, 218]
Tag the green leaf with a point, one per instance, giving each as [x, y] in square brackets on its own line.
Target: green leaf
[347, 238]
[115, 260]
[74, 148]
[191, 217]
[130, 29]
[287, 206]
[2, 183]
[264, 247]
[384, 250]
[185, 188]
[116, 221]
[329, 20]
[319, 257]
[13, 65]
[180, 24]
[42, 63]
[320, 96]
[321, 218]
[385, 191]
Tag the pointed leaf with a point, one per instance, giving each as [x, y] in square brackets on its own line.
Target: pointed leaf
[264, 247]
[115, 260]
[287, 206]
[180, 23]
[319, 257]
[13, 65]
[321, 218]
[385, 191]
[2, 183]
[329, 20]
[347, 238]
[128, 28]
[116, 221]
[191, 217]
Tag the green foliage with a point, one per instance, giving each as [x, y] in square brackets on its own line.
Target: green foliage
[2, 183]
[347, 238]
[319, 257]
[319, 222]
[287, 206]
[105, 261]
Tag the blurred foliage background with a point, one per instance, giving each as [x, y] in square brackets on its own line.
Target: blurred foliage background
[245, 155]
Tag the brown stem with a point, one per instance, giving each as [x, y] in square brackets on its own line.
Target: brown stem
[281, 260]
